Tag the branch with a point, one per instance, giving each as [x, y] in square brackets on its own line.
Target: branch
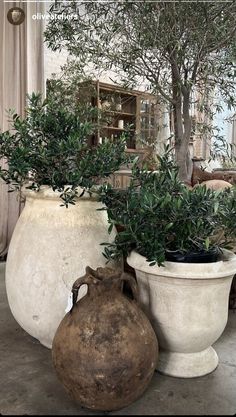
[157, 85]
[222, 43]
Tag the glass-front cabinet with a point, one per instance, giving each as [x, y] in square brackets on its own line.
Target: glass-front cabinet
[148, 120]
[130, 111]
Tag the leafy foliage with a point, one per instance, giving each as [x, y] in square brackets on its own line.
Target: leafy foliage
[224, 152]
[71, 88]
[159, 213]
[50, 147]
[179, 48]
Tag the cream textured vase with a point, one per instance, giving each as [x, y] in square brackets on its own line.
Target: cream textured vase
[49, 250]
[188, 307]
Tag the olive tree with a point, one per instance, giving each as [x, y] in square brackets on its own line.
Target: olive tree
[178, 47]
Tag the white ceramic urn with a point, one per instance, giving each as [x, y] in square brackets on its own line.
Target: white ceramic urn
[50, 248]
[188, 307]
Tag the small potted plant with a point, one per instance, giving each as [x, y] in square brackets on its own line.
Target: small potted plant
[50, 161]
[176, 238]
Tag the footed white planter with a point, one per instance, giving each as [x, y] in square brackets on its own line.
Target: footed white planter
[49, 250]
[188, 308]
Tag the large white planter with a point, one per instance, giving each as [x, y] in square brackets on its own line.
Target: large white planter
[49, 250]
[188, 308]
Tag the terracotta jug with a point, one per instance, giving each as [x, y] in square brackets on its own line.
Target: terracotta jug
[105, 350]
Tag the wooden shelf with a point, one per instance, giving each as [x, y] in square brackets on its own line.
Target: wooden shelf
[121, 113]
[120, 90]
[115, 128]
[111, 128]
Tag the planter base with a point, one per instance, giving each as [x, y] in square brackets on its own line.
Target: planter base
[187, 365]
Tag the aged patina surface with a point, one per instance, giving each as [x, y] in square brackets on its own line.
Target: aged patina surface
[105, 350]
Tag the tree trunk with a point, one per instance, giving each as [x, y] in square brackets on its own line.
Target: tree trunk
[187, 133]
[182, 128]
[181, 160]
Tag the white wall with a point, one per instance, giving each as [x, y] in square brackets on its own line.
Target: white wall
[53, 62]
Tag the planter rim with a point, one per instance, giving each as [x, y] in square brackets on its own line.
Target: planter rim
[222, 268]
[46, 192]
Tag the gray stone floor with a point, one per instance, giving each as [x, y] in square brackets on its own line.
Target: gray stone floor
[29, 386]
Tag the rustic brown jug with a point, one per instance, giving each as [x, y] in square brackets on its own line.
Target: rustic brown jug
[105, 349]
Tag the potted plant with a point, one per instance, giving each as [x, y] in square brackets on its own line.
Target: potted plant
[50, 160]
[175, 238]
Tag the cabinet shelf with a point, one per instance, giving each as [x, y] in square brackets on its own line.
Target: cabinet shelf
[115, 128]
[111, 128]
[118, 90]
[131, 109]
[121, 113]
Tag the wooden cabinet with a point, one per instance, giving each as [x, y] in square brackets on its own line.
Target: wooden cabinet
[126, 111]
[148, 118]
[119, 109]
[135, 113]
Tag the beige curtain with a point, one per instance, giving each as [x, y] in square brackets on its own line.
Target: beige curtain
[21, 72]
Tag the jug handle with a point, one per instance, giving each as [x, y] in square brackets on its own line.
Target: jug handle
[87, 279]
[132, 283]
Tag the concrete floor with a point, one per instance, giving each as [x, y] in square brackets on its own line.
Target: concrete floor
[29, 386]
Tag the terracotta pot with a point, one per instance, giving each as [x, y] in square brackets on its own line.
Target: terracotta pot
[215, 184]
[105, 349]
[50, 246]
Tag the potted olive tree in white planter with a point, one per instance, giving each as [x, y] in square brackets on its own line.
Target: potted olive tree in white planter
[60, 229]
[170, 236]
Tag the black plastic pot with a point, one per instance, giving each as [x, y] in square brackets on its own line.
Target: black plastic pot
[194, 257]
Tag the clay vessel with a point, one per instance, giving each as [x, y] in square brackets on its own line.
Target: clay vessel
[105, 349]
[50, 247]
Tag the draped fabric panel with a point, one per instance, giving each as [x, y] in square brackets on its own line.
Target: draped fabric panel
[21, 72]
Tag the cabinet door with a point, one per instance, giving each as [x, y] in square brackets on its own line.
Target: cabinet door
[147, 123]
